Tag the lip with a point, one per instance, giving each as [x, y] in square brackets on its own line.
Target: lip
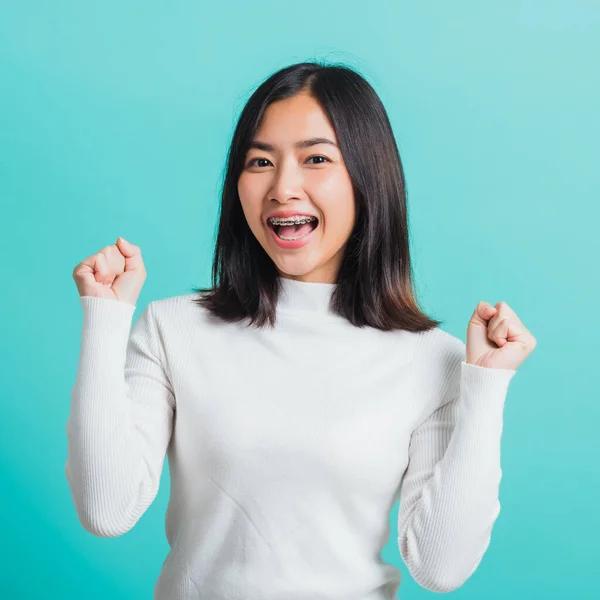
[292, 245]
[286, 214]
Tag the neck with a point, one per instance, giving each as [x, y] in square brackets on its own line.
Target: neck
[303, 297]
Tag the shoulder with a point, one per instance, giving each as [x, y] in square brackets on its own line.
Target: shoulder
[181, 305]
[174, 304]
[438, 364]
[437, 343]
[182, 313]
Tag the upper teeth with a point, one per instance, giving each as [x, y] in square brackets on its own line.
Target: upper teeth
[291, 221]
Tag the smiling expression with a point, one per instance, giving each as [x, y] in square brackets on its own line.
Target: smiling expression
[291, 168]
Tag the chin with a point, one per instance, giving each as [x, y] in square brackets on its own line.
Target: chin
[294, 272]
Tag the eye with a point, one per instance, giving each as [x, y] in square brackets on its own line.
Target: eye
[319, 156]
[253, 161]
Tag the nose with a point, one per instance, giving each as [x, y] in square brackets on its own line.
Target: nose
[287, 182]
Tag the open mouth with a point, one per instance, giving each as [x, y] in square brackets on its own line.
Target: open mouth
[294, 231]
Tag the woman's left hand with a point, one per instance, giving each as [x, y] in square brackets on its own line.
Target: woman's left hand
[496, 338]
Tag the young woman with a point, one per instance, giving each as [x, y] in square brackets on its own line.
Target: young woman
[305, 392]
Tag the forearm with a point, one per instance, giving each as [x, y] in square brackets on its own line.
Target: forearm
[105, 466]
[447, 530]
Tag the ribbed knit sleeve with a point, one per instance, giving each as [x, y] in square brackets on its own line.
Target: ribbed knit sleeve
[450, 490]
[120, 419]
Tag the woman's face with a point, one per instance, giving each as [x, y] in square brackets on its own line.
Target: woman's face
[279, 175]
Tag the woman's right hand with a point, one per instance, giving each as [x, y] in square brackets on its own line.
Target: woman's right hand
[116, 272]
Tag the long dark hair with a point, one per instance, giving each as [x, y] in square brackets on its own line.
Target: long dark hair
[374, 283]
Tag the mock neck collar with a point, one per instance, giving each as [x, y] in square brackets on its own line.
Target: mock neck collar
[305, 298]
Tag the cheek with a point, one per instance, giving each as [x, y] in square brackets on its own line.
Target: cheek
[248, 189]
[333, 184]
[338, 209]
[250, 201]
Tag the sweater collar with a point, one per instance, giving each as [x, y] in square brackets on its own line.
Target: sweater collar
[308, 298]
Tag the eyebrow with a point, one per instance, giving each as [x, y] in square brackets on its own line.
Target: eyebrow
[300, 145]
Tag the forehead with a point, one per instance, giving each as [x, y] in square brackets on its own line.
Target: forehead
[286, 121]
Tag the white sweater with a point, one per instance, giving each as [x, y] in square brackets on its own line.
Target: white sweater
[287, 448]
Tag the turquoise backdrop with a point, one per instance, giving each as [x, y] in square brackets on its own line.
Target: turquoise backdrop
[115, 118]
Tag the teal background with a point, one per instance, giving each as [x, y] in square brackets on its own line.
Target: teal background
[115, 118]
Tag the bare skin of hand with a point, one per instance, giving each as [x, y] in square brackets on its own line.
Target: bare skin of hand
[497, 338]
[115, 272]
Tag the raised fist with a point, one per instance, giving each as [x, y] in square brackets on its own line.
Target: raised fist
[116, 272]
